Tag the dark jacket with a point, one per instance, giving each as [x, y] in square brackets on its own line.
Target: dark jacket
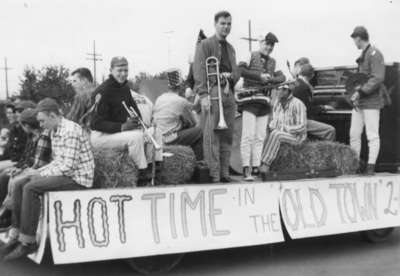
[207, 48]
[258, 65]
[80, 108]
[372, 64]
[110, 114]
[304, 92]
[16, 143]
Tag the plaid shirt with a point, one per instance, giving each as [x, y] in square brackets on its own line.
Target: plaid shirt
[42, 150]
[72, 154]
[37, 151]
[290, 118]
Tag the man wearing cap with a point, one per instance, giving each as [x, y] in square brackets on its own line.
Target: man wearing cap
[288, 125]
[36, 155]
[111, 125]
[174, 118]
[72, 168]
[368, 98]
[17, 139]
[303, 90]
[257, 73]
[217, 144]
[82, 106]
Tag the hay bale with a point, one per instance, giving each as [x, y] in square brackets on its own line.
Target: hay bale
[114, 168]
[179, 168]
[317, 155]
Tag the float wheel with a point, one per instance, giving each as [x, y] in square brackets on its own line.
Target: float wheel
[155, 264]
[377, 235]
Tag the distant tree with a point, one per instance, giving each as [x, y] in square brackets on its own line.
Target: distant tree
[50, 81]
[28, 83]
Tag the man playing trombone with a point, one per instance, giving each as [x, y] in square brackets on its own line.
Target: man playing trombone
[216, 73]
[116, 125]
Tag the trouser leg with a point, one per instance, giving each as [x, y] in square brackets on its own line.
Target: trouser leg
[356, 129]
[273, 144]
[321, 130]
[226, 136]
[30, 211]
[261, 133]
[134, 139]
[372, 117]
[210, 141]
[248, 136]
[17, 195]
[192, 137]
[4, 179]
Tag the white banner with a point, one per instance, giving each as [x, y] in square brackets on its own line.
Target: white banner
[312, 208]
[123, 223]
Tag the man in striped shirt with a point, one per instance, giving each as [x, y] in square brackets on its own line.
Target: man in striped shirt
[72, 168]
[288, 125]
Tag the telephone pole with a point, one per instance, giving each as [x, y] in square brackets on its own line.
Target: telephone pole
[250, 39]
[94, 56]
[6, 68]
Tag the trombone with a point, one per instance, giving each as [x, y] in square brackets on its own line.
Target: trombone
[132, 114]
[212, 69]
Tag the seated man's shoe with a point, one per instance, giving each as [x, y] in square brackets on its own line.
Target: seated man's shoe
[5, 221]
[143, 178]
[264, 171]
[6, 248]
[247, 174]
[370, 169]
[226, 179]
[21, 251]
[255, 171]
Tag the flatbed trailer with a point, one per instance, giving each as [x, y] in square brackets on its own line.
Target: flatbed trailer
[152, 227]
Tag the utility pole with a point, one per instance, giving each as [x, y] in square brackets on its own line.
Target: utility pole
[6, 68]
[250, 39]
[94, 56]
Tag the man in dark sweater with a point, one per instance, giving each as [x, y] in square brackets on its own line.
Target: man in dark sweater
[304, 91]
[111, 125]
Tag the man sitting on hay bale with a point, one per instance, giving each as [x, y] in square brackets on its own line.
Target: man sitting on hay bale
[36, 155]
[174, 118]
[82, 82]
[288, 125]
[72, 168]
[304, 92]
[112, 126]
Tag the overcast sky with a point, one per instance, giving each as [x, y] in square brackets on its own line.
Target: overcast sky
[43, 32]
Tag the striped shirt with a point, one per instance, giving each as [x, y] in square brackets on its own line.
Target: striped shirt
[290, 118]
[72, 154]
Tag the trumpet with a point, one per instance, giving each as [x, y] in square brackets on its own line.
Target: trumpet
[212, 69]
[132, 114]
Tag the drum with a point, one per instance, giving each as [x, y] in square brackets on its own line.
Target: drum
[236, 159]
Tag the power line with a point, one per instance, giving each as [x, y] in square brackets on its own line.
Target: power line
[94, 56]
[250, 39]
[6, 69]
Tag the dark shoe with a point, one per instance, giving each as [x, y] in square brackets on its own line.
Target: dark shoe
[5, 221]
[255, 171]
[20, 251]
[264, 171]
[6, 248]
[226, 179]
[370, 169]
[247, 174]
[143, 178]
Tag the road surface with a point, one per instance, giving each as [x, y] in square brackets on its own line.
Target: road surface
[334, 255]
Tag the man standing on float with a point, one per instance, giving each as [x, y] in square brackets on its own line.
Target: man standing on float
[217, 143]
